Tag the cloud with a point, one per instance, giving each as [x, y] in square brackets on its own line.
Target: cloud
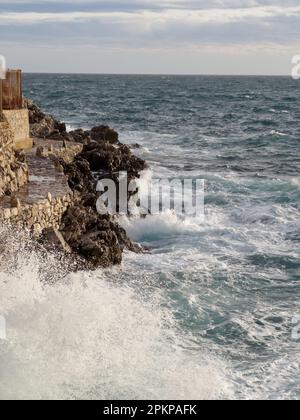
[259, 23]
[123, 5]
[148, 25]
[203, 16]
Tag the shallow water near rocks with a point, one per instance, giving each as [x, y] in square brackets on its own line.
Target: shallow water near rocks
[208, 314]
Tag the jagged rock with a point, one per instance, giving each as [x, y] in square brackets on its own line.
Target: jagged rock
[104, 133]
[100, 134]
[42, 125]
[91, 237]
[46, 126]
[135, 146]
[79, 175]
[98, 239]
[81, 136]
[110, 158]
[95, 237]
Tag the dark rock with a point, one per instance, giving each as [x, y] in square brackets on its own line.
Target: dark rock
[20, 156]
[46, 126]
[109, 158]
[135, 146]
[80, 176]
[42, 125]
[61, 127]
[95, 237]
[103, 133]
[98, 239]
[80, 136]
[56, 135]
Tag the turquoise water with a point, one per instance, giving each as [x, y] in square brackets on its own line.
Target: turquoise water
[208, 314]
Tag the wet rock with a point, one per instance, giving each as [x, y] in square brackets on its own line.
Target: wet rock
[53, 238]
[97, 238]
[90, 237]
[135, 146]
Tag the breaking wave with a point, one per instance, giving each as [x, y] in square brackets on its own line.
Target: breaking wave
[81, 336]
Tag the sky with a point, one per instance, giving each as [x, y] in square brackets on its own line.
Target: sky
[151, 36]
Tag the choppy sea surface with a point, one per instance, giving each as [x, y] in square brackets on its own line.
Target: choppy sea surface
[209, 313]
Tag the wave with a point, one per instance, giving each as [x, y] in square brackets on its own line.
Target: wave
[83, 337]
[155, 227]
[277, 133]
[70, 127]
[295, 182]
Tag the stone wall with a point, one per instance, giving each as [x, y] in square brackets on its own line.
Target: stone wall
[13, 169]
[18, 120]
[38, 216]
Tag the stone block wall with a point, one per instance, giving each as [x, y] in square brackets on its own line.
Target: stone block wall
[13, 171]
[38, 216]
[18, 120]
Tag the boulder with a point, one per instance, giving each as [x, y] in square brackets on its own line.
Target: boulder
[42, 125]
[104, 133]
[93, 237]
[80, 136]
[110, 158]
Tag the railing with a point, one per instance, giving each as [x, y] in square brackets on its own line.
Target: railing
[11, 91]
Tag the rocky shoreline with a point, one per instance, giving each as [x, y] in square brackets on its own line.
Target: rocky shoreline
[97, 239]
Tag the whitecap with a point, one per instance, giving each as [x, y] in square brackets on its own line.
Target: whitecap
[155, 227]
[277, 133]
[86, 338]
[70, 127]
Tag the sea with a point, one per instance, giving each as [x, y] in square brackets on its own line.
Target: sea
[213, 311]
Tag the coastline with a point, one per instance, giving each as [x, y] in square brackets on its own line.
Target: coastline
[57, 202]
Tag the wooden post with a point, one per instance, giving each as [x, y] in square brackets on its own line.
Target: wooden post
[12, 90]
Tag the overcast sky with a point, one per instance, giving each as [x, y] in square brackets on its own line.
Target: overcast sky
[151, 36]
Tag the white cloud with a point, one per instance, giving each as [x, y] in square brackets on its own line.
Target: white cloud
[188, 28]
[203, 16]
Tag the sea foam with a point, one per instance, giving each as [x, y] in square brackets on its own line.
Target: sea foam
[82, 336]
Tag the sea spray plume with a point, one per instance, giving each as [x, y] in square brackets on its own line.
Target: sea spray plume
[17, 244]
[296, 67]
[85, 338]
[2, 67]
